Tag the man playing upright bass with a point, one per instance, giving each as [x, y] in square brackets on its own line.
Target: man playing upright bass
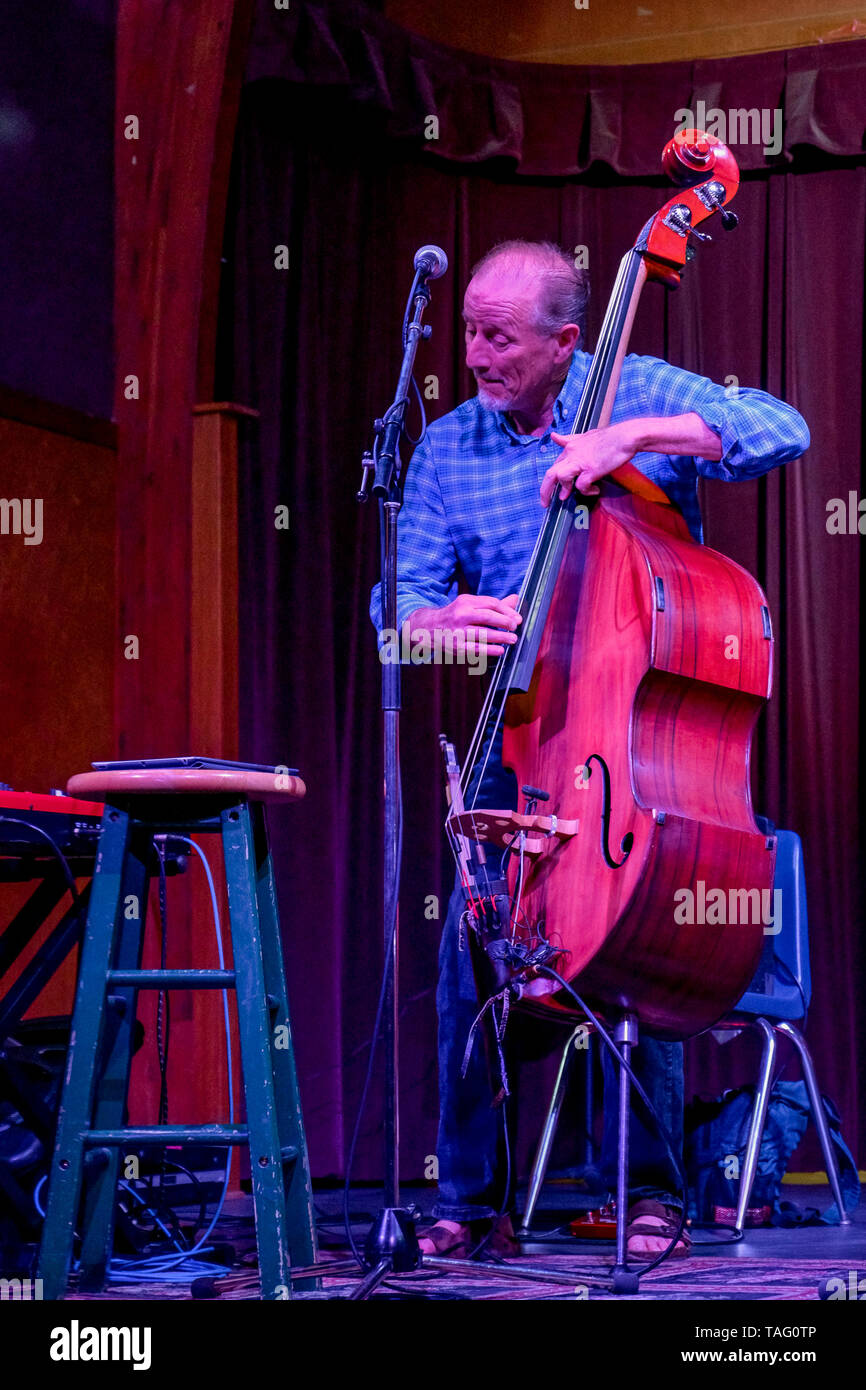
[474, 492]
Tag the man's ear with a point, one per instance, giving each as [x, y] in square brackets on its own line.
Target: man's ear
[567, 340]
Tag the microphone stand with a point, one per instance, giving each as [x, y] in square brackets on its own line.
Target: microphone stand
[392, 1245]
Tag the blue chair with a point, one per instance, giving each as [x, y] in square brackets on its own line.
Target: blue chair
[778, 996]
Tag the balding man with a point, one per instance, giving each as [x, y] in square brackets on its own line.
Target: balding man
[472, 508]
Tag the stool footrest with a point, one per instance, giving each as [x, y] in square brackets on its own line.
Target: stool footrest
[169, 1134]
[173, 979]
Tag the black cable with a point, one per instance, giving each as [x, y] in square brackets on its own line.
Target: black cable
[377, 1026]
[720, 1226]
[676, 1162]
[156, 1208]
[792, 979]
[406, 435]
[202, 1201]
[504, 1209]
[58, 852]
[392, 929]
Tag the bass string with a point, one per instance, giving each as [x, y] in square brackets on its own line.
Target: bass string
[592, 395]
[548, 532]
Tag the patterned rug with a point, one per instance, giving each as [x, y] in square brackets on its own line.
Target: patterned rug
[699, 1278]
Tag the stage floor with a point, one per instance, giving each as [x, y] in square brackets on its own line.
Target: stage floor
[768, 1264]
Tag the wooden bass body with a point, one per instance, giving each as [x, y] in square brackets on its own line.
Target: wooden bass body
[656, 655]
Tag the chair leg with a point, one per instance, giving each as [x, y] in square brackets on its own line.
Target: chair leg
[589, 1104]
[818, 1116]
[625, 1036]
[759, 1118]
[545, 1143]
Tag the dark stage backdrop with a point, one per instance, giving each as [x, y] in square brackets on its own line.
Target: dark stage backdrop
[331, 162]
[56, 136]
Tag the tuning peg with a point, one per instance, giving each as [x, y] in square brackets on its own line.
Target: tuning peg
[729, 220]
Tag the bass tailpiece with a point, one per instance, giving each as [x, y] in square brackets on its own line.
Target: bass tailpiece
[506, 958]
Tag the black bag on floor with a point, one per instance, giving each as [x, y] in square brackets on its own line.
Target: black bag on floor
[715, 1150]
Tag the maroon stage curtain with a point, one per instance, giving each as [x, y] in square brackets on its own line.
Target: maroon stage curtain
[331, 163]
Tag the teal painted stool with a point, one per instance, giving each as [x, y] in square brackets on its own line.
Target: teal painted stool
[91, 1134]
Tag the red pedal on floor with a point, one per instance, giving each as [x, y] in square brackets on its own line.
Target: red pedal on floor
[599, 1224]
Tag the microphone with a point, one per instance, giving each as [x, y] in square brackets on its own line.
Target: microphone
[431, 261]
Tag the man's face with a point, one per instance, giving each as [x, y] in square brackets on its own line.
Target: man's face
[513, 363]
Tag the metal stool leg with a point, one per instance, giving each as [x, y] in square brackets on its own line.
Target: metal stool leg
[818, 1116]
[759, 1117]
[109, 1111]
[64, 1188]
[548, 1134]
[300, 1220]
[256, 1038]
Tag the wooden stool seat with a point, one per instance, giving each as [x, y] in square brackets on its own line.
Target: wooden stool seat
[190, 781]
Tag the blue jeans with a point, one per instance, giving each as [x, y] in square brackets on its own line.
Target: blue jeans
[471, 1143]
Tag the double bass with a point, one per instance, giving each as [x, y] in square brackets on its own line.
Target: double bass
[626, 710]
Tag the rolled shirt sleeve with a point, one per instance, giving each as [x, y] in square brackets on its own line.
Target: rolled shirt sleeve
[758, 432]
[426, 560]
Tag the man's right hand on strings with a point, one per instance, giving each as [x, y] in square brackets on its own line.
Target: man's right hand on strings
[479, 622]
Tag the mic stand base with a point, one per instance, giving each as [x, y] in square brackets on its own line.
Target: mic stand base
[391, 1247]
[392, 1238]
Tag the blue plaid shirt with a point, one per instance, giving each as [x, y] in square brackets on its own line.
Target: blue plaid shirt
[471, 500]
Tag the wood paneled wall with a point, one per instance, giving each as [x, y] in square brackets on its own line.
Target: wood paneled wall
[57, 597]
[57, 616]
[118, 632]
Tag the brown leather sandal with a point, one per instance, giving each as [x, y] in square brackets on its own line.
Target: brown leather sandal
[669, 1218]
[444, 1241]
[459, 1244]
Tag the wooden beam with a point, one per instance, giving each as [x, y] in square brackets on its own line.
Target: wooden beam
[214, 581]
[224, 142]
[179, 65]
[172, 131]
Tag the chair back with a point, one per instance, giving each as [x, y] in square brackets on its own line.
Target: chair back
[782, 987]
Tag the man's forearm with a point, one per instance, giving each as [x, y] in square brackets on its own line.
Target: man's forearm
[680, 435]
